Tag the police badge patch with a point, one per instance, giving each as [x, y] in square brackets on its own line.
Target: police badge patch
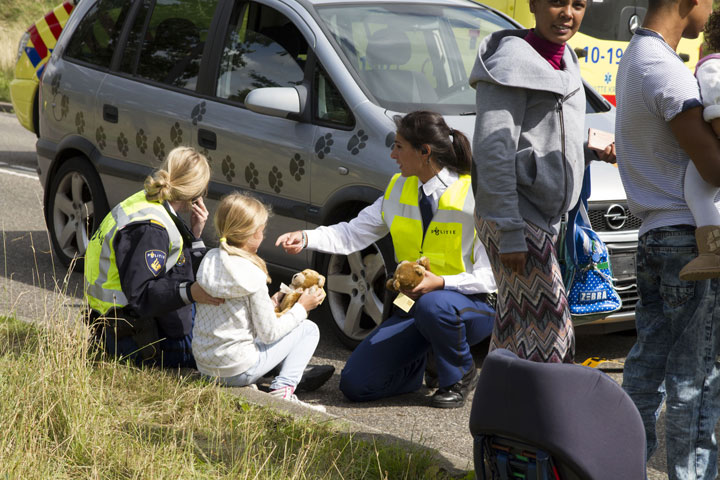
[155, 260]
[180, 260]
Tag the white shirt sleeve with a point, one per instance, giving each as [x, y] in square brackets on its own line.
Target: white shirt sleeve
[349, 237]
[708, 77]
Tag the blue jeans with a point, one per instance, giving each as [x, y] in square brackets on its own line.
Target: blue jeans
[391, 360]
[675, 357]
[292, 352]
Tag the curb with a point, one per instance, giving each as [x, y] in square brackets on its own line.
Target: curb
[451, 463]
[6, 107]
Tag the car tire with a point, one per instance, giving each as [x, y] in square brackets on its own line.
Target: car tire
[76, 204]
[355, 286]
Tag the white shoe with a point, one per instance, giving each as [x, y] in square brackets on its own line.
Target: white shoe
[286, 393]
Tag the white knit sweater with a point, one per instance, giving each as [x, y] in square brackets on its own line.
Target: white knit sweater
[224, 336]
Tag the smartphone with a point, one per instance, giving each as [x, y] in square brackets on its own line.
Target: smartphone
[599, 139]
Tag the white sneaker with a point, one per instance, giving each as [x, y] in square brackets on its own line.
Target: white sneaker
[286, 393]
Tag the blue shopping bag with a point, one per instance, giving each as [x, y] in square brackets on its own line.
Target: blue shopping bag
[585, 265]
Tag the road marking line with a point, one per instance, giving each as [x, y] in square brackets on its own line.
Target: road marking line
[12, 172]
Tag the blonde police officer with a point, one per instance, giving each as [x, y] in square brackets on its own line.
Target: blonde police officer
[140, 264]
[428, 211]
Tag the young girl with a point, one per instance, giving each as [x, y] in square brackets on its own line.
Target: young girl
[700, 195]
[241, 340]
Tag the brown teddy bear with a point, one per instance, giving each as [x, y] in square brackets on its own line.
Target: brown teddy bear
[408, 275]
[308, 278]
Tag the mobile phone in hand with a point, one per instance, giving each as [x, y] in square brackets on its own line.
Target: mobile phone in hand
[599, 139]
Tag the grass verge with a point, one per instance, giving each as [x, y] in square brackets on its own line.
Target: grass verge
[66, 415]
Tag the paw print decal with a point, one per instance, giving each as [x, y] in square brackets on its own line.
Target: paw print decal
[390, 139]
[80, 122]
[197, 113]
[55, 85]
[141, 140]
[297, 167]
[101, 138]
[251, 175]
[228, 168]
[64, 106]
[323, 144]
[357, 142]
[275, 179]
[176, 134]
[122, 143]
[159, 149]
[206, 154]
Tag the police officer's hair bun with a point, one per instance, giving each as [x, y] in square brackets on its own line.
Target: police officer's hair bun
[183, 176]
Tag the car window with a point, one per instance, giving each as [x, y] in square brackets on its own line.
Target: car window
[262, 49]
[95, 38]
[329, 104]
[413, 56]
[167, 40]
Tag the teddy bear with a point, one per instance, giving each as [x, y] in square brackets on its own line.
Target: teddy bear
[408, 275]
[308, 278]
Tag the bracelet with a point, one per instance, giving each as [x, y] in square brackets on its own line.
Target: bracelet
[304, 239]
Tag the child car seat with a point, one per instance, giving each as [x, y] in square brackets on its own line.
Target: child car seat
[553, 421]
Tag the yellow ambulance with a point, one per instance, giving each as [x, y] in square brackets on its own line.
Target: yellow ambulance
[34, 50]
[605, 32]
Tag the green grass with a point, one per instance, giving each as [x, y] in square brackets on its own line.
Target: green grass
[65, 414]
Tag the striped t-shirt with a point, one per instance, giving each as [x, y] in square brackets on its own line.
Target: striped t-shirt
[653, 85]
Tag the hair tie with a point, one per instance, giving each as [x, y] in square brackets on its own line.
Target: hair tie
[223, 240]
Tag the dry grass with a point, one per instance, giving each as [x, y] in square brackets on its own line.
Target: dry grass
[65, 414]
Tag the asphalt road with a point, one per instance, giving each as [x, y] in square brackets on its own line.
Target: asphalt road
[35, 288]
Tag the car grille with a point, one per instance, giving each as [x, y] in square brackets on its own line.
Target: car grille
[613, 217]
[627, 289]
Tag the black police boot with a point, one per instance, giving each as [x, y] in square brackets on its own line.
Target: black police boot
[314, 377]
[454, 396]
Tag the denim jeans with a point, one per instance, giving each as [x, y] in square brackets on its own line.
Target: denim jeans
[675, 357]
[292, 352]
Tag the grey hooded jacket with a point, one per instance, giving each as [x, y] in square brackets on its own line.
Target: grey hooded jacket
[529, 134]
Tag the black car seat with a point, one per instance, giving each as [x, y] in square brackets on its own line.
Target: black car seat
[553, 421]
[387, 50]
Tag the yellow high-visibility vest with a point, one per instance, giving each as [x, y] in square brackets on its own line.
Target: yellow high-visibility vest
[102, 279]
[448, 242]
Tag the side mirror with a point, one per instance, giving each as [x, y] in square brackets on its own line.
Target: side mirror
[276, 101]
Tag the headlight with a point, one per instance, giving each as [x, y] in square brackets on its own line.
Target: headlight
[21, 46]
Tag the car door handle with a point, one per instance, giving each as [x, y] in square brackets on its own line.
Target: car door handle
[207, 139]
[110, 113]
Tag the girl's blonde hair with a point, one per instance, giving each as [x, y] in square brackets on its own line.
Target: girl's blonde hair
[184, 176]
[237, 218]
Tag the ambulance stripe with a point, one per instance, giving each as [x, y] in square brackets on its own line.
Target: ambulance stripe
[41, 70]
[68, 7]
[47, 36]
[62, 15]
[37, 42]
[53, 24]
[33, 56]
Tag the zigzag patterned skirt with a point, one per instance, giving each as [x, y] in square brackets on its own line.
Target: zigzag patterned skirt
[532, 319]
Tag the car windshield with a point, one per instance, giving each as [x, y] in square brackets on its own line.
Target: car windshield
[412, 56]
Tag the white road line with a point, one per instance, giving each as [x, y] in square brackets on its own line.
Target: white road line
[18, 174]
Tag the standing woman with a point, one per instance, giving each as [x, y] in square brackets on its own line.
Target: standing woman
[432, 193]
[140, 266]
[530, 160]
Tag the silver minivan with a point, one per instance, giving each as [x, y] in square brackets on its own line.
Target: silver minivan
[289, 99]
